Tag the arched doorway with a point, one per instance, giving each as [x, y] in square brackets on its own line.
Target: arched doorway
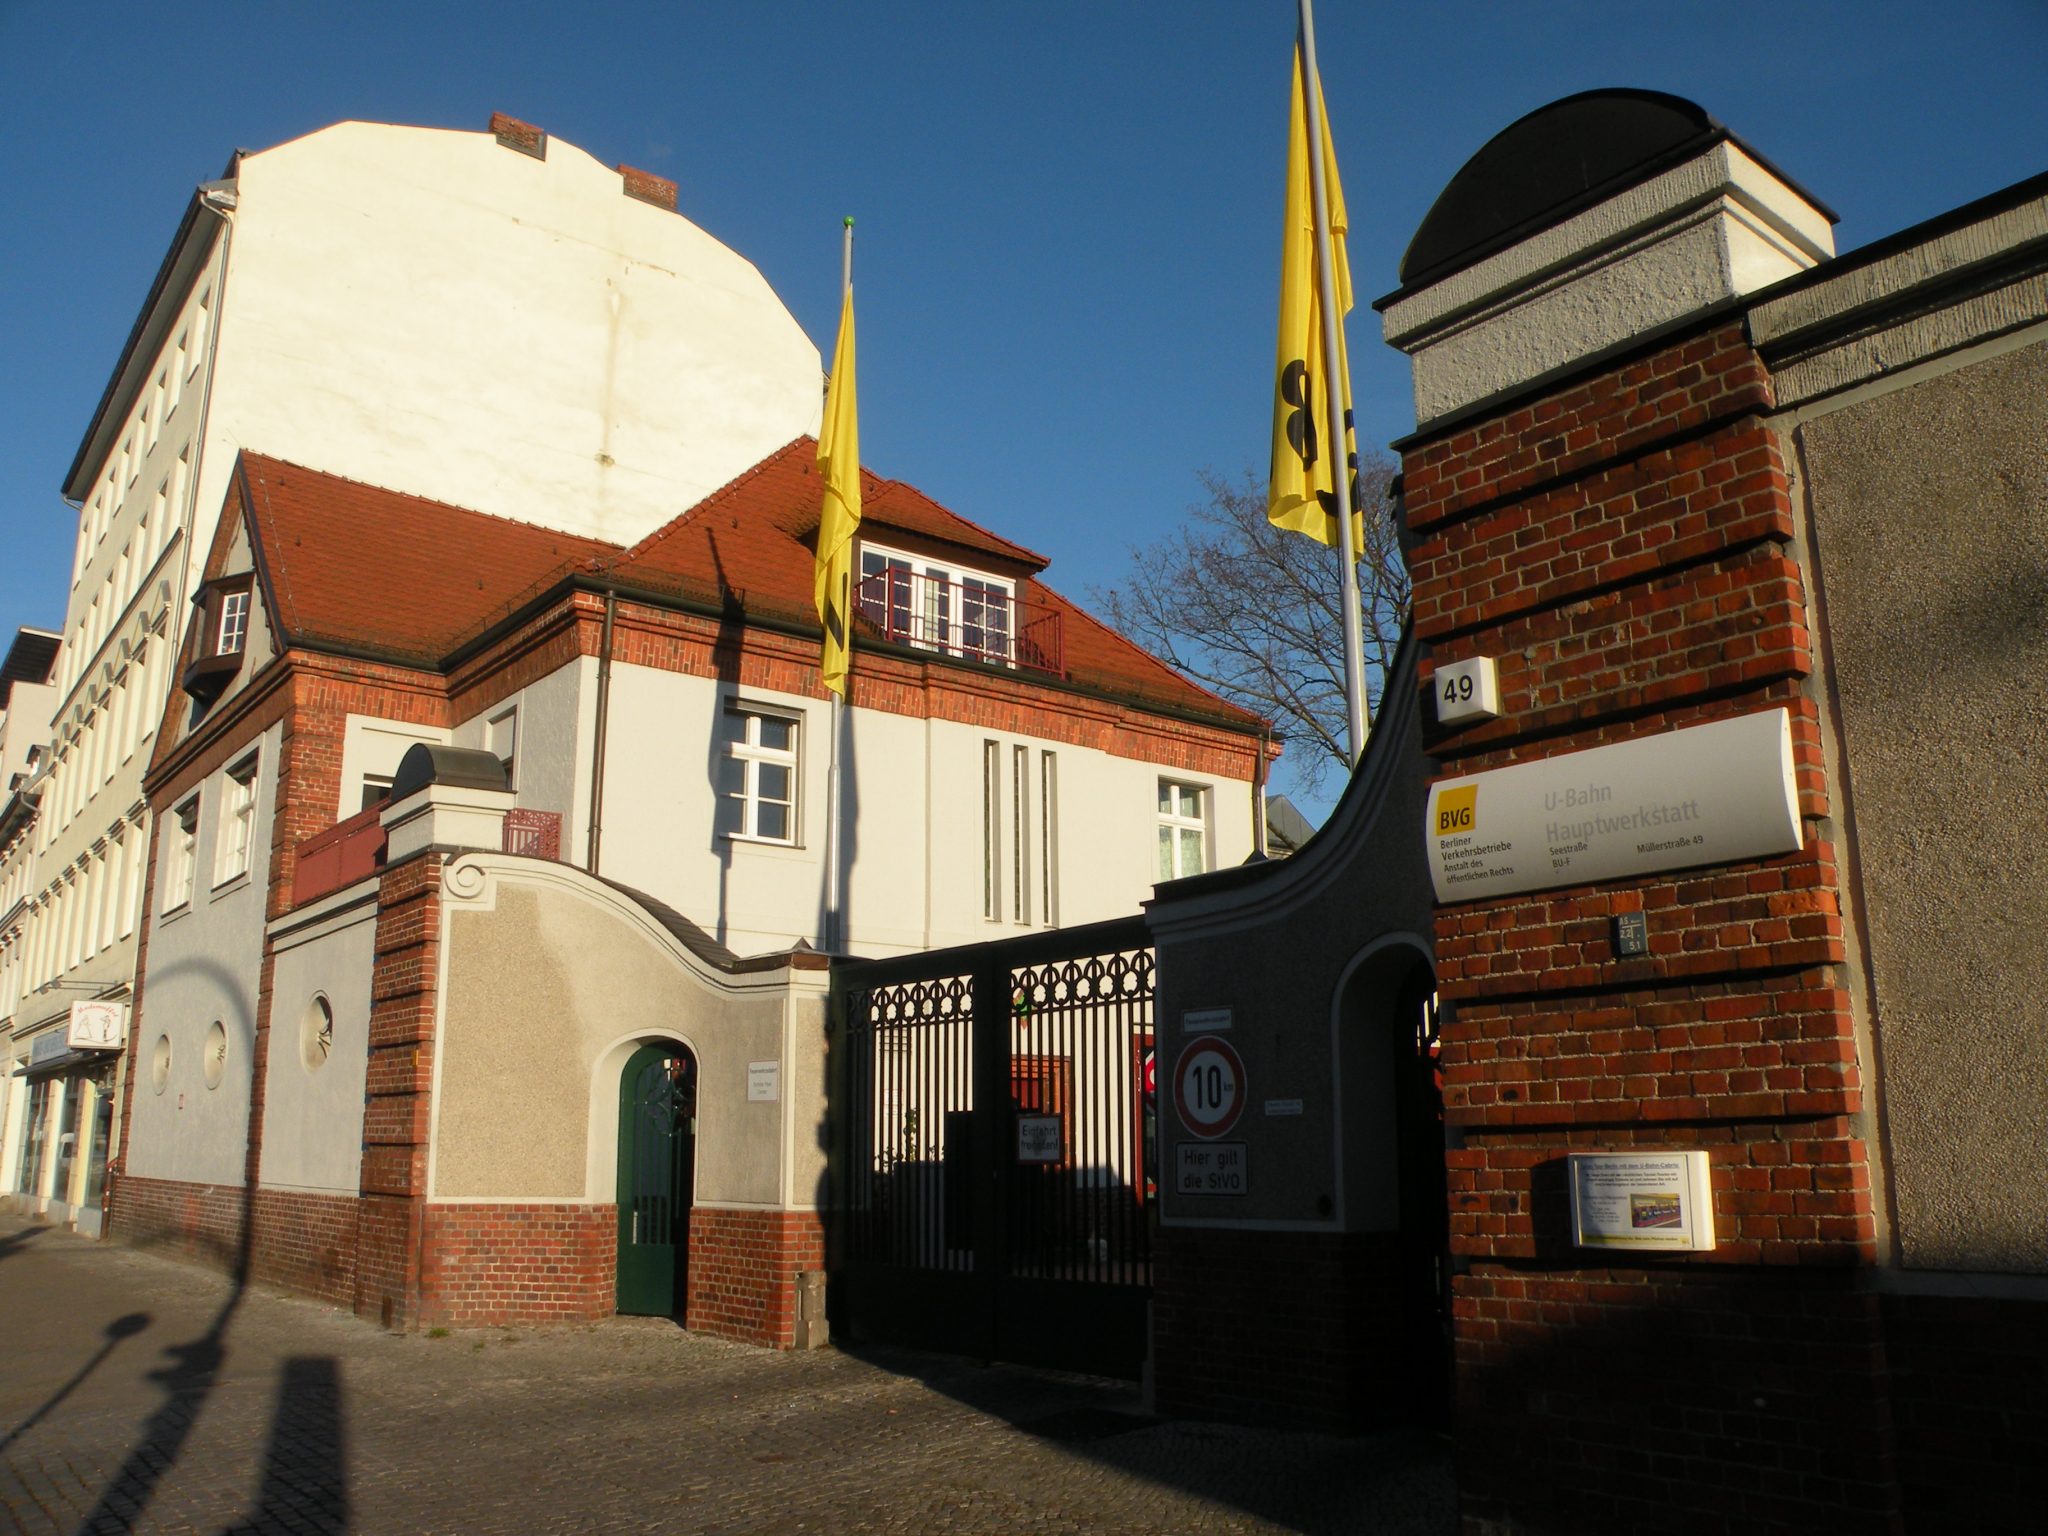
[657, 1173]
[1395, 1189]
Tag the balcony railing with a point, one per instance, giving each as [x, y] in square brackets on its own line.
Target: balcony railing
[340, 856]
[977, 620]
[353, 849]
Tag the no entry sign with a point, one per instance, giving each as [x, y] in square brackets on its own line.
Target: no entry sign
[1208, 1087]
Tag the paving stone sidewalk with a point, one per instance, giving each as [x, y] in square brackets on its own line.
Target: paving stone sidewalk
[138, 1393]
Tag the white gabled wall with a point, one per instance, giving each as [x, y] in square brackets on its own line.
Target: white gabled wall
[915, 845]
[430, 311]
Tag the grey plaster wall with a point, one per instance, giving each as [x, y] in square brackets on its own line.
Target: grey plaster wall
[550, 981]
[204, 963]
[313, 1109]
[1929, 509]
[1308, 954]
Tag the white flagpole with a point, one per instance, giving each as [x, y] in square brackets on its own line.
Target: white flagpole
[835, 897]
[1339, 389]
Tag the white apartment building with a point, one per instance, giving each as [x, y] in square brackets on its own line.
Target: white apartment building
[495, 318]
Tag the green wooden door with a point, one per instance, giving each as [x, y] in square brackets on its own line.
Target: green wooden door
[657, 1163]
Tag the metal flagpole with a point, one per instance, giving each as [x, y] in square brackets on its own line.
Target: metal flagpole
[1338, 387]
[835, 902]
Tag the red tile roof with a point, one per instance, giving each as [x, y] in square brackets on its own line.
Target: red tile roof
[401, 576]
[392, 574]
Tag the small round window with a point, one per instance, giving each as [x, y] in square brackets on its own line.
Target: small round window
[160, 1063]
[316, 1033]
[213, 1063]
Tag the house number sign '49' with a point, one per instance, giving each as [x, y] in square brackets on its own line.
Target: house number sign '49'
[1209, 1086]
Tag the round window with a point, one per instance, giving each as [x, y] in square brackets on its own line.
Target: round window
[213, 1063]
[316, 1033]
[160, 1063]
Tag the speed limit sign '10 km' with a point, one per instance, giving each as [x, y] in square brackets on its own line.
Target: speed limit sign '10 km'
[1208, 1087]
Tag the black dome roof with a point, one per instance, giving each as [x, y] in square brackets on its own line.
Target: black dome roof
[1542, 168]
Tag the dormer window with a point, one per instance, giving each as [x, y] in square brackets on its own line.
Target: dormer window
[220, 635]
[233, 627]
[935, 606]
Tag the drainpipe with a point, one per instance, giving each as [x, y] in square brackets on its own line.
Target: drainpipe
[604, 704]
[1259, 796]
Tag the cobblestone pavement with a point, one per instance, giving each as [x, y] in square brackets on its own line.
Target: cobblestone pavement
[138, 1393]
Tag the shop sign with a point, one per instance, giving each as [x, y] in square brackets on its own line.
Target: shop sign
[1705, 794]
[98, 1027]
[47, 1046]
[764, 1082]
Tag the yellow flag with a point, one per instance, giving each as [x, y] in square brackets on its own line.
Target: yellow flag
[1303, 494]
[839, 464]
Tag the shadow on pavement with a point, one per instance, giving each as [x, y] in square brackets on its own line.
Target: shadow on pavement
[1391, 1482]
[120, 1328]
[305, 1466]
[14, 1243]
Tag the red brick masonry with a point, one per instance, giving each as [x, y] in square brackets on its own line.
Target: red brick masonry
[743, 1269]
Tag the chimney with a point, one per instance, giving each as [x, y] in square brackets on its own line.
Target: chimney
[524, 137]
[649, 188]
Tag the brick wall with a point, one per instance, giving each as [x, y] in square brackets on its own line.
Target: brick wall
[743, 1269]
[397, 1088]
[203, 1221]
[1624, 547]
[518, 1263]
[1970, 1395]
[1334, 1345]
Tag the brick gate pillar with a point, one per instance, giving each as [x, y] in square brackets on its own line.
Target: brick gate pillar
[443, 802]
[1598, 505]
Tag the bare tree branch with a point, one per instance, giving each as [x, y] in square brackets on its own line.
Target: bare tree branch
[1256, 612]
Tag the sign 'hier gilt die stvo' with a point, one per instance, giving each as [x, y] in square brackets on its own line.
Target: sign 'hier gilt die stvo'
[1706, 794]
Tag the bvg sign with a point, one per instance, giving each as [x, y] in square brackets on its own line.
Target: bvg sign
[1707, 794]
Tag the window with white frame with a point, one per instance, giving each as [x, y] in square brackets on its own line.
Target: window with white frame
[757, 775]
[237, 822]
[233, 629]
[1183, 829]
[181, 853]
[935, 606]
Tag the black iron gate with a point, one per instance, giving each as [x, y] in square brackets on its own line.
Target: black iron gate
[995, 1149]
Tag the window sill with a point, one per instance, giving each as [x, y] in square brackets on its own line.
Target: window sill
[171, 914]
[228, 886]
[742, 839]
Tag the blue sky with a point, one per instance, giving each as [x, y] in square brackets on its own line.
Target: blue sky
[1068, 212]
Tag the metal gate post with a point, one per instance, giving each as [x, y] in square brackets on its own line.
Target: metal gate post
[992, 1132]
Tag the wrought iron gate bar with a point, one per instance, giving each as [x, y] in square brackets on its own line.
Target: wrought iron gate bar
[996, 1146]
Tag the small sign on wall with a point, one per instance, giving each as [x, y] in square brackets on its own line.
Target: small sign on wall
[98, 1027]
[764, 1082]
[1038, 1138]
[1212, 1168]
[1644, 1201]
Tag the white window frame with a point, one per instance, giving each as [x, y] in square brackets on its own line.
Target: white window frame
[1172, 822]
[933, 627]
[181, 853]
[232, 632]
[235, 836]
[749, 752]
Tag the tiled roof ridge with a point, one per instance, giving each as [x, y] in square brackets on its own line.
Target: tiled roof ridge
[981, 528]
[251, 456]
[1172, 672]
[706, 503]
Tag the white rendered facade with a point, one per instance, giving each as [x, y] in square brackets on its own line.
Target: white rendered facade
[408, 307]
